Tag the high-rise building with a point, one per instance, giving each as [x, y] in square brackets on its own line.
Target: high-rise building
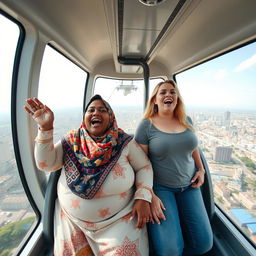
[223, 154]
[227, 119]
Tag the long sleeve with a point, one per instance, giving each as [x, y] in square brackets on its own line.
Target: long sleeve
[143, 171]
[49, 157]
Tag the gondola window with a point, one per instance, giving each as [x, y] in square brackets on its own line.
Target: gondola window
[61, 87]
[126, 98]
[220, 97]
[16, 214]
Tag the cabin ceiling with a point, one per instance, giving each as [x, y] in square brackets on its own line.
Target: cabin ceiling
[175, 34]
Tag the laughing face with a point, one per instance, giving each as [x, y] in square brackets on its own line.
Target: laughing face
[166, 98]
[97, 118]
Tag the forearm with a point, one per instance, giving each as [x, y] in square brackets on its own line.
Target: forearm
[197, 159]
[143, 172]
[144, 183]
[49, 157]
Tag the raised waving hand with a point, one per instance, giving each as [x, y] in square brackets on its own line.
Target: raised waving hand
[42, 115]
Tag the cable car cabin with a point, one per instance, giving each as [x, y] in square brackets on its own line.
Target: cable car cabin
[64, 52]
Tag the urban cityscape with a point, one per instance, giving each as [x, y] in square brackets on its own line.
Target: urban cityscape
[227, 138]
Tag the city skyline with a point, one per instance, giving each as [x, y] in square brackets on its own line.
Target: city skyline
[212, 130]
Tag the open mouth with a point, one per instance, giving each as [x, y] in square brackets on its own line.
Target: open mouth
[96, 122]
[168, 101]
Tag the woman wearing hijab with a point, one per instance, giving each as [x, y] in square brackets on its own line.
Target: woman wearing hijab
[105, 182]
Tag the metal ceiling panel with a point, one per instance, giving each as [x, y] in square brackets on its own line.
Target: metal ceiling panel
[138, 42]
[142, 25]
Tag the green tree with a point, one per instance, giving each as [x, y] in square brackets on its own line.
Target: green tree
[248, 163]
[12, 234]
[6, 252]
[244, 184]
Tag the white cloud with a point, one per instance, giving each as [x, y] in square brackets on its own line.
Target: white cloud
[246, 64]
[221, 73]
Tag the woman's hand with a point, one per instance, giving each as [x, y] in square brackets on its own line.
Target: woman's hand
[157, 208]
[43, 116]
[142, 209]
[198, 180]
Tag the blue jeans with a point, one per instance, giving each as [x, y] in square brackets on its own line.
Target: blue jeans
[186, 230]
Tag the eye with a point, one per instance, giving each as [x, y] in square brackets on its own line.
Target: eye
[103, 110]
[173, 92]
[90, 110]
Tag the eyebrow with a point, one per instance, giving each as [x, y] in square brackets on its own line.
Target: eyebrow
[173, 89]
[101, 107]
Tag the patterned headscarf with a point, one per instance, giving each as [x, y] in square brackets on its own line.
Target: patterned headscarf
[88, 159]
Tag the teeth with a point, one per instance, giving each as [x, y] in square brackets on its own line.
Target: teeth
[95, 121]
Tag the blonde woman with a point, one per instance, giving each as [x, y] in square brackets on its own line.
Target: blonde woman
[166, 135]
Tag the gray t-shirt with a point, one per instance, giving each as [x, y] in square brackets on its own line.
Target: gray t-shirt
[170, 154]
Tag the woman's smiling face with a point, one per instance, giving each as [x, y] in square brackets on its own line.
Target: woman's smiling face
[96, 118]
[166, 97]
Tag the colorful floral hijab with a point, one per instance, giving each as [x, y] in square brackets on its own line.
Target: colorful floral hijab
[89, 159]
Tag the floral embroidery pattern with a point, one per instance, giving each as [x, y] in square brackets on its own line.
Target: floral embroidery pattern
[77, 245]
[128, 248]
[85, 178]
[123, 195]
[67, 250]
[104, 212]
[42, 165]
[78, 239]
[75, 203]
[118, 171]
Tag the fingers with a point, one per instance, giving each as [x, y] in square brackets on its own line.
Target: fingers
[28, 110]
[197, 184]
[133, 213]
[198, 180]
[162, 205]
[157, 212]
[40, 104]
[32, 106]
[194, 178]
[156, 218]
[142, 221]
[35, 104]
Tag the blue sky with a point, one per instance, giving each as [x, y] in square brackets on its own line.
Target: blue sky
[227, 81]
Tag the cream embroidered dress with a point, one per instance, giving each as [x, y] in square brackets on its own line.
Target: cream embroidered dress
[101, 225]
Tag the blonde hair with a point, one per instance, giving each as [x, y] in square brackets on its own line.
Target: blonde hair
[179, 111]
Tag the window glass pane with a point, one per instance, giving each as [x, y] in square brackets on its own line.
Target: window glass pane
[153, 83]
[61, 88]
[220, 98]
[16, 214]
[126, 98]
